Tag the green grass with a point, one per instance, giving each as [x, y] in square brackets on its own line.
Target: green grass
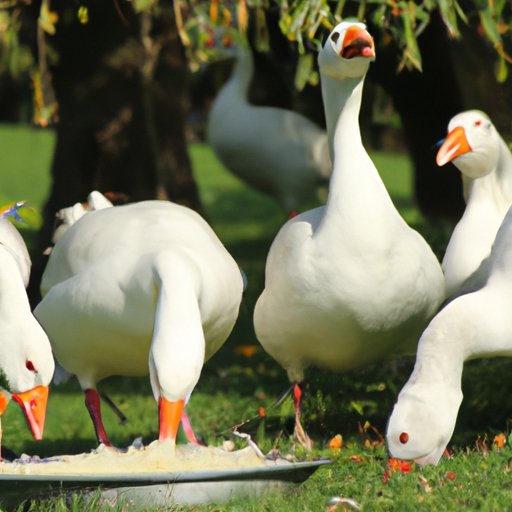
[232, 386]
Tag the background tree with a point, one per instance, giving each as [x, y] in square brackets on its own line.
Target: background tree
[120, 82]
[120, 73]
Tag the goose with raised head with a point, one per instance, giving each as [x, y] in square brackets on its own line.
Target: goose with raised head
[350, 283]
[277, 151]
[26, 361]
[136, 288]
[473, 325]
[476, 148]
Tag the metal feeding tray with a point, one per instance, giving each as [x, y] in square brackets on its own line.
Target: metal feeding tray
[139, 490]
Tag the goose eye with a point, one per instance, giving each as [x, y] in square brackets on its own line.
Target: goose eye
[335, 36]
[404, 437]
[30, 365]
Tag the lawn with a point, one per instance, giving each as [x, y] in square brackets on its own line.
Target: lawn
[234, 383]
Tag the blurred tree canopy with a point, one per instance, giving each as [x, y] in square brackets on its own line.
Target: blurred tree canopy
[23, 24]
[305, 21]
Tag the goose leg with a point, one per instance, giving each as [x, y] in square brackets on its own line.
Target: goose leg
[3, 405]
[187, 427]
[92, 402]
[170, 414]
[300, 434]
[122, 418]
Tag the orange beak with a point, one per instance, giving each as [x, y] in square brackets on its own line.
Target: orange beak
[454, 145]
[3, 403]
[33, 403]
[170, 416]
[357, 43]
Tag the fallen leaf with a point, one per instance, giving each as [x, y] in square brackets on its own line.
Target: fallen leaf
[338, 500]
[499, 441]
[335, 443]
[424, 482]
[400, 465]
[246, 350]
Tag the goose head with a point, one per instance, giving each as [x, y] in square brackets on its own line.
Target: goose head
[422, 422]
[26, 369]
[26, 360]
[472, 144]
[347, 52]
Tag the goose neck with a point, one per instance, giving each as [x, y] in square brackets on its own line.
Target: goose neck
[13, 296]
[242, 73]
[497, 185]
[439, 358]
[357, 196]
[342, 103]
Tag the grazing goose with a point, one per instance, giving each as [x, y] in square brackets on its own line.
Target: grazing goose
[477, 150]
[145, 286]
[277, 151]
[472, 325]
[26, 362]
[350, 283]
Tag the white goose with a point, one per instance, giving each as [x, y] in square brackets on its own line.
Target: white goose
[137, 287]
[349, 283]
[26, 362]
[477, 324]
[274, 150]
[66, 217]
[477, 150]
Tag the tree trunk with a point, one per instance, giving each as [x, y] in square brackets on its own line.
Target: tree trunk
[426, 101]
[120, 82]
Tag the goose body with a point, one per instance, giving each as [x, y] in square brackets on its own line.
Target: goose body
[66, 217]
[475, 147]
[277, 151]
[472, 325]
[26, 362]
[137, 288]
[350, 283]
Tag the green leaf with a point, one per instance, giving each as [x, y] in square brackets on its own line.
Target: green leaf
[460, 12]
[304, 70]
[447, 10]
[143, 5]
[358, 407]
[489, 25]
[501, 70]
[412, 52]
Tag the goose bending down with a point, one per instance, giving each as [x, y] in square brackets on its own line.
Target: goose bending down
[350, 283]
[145, 286]
[26, 361]
[475, 147]
[472, 325]
[277, 151]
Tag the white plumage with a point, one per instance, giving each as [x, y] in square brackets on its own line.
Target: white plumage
[66, 217]
[349, 283]
[274, 150]
[476, 324]
[26, 362]
[475, 147]
[146, 286]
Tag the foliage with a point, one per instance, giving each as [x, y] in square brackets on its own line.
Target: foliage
[306, 21]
